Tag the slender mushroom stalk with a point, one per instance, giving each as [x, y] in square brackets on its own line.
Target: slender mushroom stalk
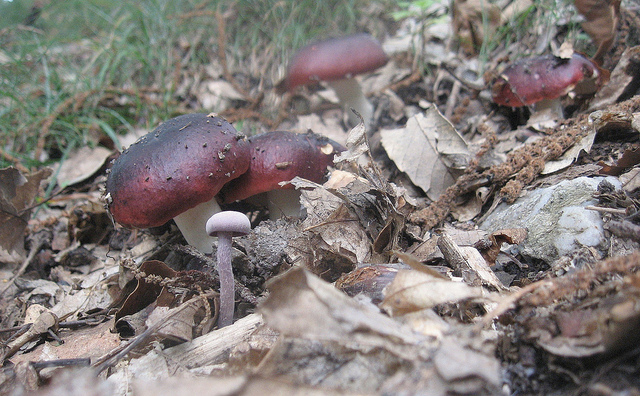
[225, 225]
[337, 61]
[175, 172]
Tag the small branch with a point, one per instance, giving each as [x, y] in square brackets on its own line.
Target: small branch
[35, 248]
[606, 210]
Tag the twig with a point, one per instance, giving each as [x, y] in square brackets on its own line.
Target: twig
[324, 223]
[114, 356]
[606, 210]
[34, 250]
[15, 161]
[79, 362]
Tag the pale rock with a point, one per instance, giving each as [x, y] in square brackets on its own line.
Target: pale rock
[556, 219]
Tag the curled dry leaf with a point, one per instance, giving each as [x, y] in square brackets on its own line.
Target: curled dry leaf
[475, 21]
[356, 145]
[82, 164]
[622, 83]
[601, 22]
[413, 291]
[145, 292]
[350, 220]
[331, 341]
[490, 248]
[17, 194]
[432, 142]
[369, 281]
[590, 312]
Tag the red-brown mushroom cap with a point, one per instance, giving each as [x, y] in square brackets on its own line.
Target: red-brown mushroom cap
[279, 157]
[182, 163]
[335, 59]
[531, 80]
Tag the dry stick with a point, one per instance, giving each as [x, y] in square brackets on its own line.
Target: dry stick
[15, 161]
[34, 250]
[120, 352]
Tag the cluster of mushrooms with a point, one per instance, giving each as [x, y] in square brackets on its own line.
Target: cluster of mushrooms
[182, 168]
[186, 166]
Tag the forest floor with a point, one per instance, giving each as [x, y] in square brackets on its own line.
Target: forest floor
[457, 246]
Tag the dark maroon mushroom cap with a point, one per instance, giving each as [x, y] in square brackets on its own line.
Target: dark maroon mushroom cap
[280, 156]
[335, 59]
[182, 163]
[531, 80]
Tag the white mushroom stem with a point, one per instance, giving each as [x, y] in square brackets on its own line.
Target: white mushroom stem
[546, 112]
[192, 224]
[350, 94]
[284, 203]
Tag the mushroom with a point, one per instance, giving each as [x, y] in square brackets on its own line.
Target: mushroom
[543, 80]
[175, 172]
[336, 61]
[225, 225]
[278, 157]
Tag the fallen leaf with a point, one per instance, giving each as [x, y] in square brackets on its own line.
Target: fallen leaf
[429, 150]
[331, 341]
[81, 165]
[17, 194]
[629, 159]
[601, 22]
[622, 83]
[413, 291]
[145, 292]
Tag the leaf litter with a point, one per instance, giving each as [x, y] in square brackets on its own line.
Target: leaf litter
[431, 303]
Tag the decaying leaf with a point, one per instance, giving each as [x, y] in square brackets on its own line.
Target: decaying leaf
[429, 150]
[350, 220]
[601, 22]
[475, 21]
[81, 164]
[369, 280]
[356, 145]
[146, 291]
[338, 239]
[622, 83]
[413, 291]
[594, 311]
[629, 159]
[332, 342]
[493, 243]
[17, 194]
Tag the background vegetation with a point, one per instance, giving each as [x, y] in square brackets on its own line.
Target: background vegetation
[78, 72]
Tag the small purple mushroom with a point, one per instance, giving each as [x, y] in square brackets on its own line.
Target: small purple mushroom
[226, 225]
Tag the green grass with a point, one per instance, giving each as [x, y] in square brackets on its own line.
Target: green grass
[89, 70]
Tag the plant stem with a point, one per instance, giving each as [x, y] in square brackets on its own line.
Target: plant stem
[227, 286]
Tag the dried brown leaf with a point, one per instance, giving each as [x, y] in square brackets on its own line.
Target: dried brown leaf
[81, 165]
[413, 291]
[429, 150]
[17, 194]
[601, 22]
